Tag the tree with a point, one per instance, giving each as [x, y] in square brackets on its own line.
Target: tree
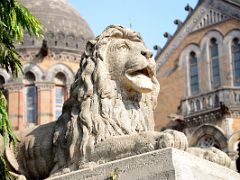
[14, 20]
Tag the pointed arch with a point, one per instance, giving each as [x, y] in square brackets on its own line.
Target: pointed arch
[209, 134]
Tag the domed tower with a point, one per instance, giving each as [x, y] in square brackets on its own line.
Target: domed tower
[49, 64]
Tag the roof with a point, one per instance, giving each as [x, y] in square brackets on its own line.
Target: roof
[237, 2]
[63, 24]
[197, 19]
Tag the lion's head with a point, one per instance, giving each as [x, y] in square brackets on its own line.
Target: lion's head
[129, 62]
[114, 93]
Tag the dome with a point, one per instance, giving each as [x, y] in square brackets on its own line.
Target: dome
[64, 27]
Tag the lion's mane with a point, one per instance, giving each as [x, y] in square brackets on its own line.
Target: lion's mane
[98, 108]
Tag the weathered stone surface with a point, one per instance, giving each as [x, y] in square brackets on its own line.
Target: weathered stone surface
[108, 116]
[165, 164]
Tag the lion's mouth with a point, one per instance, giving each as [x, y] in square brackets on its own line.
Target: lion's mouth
[145, 71]
[140, 79]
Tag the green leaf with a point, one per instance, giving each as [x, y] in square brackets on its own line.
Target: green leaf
[4, 174]
[5, 125]
[14, 19]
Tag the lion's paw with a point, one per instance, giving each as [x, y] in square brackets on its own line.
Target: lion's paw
[211, 154]
[172, 138]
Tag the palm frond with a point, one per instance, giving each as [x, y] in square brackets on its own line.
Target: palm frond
[14, 19]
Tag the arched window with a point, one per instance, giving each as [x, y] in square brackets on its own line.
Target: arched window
[194, 82]
[215, 70]
[60, 89]
[31, 98]
[236, 61]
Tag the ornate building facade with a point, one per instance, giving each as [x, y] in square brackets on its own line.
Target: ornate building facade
[49, 64]
[199, 73]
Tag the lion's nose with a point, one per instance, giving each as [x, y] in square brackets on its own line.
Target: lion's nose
[147, 54]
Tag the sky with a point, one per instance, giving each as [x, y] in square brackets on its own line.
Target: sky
[151, 18]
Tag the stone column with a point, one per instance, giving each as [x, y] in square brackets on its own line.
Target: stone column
[45, 106]
[228, 126]
[16, 104]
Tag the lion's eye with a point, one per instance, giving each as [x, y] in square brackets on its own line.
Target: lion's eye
[123, 47]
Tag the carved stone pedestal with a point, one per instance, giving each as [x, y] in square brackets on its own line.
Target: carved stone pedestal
[166, 164]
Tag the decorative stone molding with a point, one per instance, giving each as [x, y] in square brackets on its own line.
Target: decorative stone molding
[58, 40]
[13, 87]
[209, 130]
[225, 8]
[44, 86]
[211, 100]
[204, 117]
[211, 17]
[35, 69]
[54, 54]
[56, 68]
[65, 56]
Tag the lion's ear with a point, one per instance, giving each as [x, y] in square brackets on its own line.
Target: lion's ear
[89, 46]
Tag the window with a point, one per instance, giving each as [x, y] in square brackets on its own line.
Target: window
[215, 70]
[194, 82]
[236, 61]
[59, 99]
[60, 86]
[31, 105]
[31, 98]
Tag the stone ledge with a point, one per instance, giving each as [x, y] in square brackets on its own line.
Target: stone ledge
[166, 164]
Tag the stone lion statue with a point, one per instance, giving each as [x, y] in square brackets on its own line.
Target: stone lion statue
[109, 114]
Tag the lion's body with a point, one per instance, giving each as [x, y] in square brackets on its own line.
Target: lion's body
[109, 113]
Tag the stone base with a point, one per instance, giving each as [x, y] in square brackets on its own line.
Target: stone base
[166, 164]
